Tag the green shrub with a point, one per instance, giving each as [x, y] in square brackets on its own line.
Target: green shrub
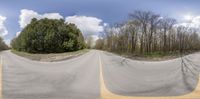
[49, 36]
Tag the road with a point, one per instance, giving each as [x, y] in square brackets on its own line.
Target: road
[80, 77]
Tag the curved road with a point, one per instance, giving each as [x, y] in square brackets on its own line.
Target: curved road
[79, 78]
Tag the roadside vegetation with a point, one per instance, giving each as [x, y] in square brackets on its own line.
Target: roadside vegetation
[51, 57]
[147, 34]
[3, 46]
[49, 36]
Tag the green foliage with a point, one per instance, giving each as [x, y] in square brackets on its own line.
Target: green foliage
[49, 36]
[3, 46]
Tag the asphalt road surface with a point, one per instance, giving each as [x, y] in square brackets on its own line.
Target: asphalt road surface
[79, 78]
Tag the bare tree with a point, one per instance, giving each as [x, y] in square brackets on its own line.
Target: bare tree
[166, 25]
[146, 32]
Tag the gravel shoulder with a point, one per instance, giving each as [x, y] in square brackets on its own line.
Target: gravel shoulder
[51, 57]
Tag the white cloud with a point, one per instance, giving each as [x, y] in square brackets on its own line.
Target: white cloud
[17, 34]
[52, 16]
[27, 15]
[3, 30]
[191, 21]
[105, 24]
[87, 25]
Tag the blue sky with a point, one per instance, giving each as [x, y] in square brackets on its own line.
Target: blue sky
[108, 11]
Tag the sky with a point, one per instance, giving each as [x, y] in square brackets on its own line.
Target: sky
[91, 16]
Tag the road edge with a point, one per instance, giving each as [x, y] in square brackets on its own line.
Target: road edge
[106, 94]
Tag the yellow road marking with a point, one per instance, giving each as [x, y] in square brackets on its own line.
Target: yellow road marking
[106, 94]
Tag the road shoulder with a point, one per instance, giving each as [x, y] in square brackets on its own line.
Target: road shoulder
[52, 57]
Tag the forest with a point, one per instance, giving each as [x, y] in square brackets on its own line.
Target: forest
[146, 33]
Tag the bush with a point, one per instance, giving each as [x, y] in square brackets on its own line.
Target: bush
[3, 46]
[49, 36]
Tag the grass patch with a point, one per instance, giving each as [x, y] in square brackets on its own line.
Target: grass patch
[51, 56]
[152, 56]
[161, 54]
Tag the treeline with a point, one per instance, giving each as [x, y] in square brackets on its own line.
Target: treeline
[49, 36]
[146, 32]
[3, 46]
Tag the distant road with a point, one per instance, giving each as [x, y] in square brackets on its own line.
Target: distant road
[80, 77]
